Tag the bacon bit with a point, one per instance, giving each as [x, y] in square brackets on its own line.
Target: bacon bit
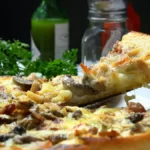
[117, 48]
[85, 68]
[136, 107]
[110, 134]
[93, 130]
[121, 62]
[81, 132]
[9, 109]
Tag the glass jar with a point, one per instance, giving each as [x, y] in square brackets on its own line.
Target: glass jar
[50, 30]
[107, 25]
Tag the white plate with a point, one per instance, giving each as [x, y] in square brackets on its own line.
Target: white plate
[142, 95]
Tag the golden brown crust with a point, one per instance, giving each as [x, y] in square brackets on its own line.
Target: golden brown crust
[70, 147]
[136, 142]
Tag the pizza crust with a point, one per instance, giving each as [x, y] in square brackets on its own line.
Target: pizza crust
[39, 145]
[69, 147]
[136, 142]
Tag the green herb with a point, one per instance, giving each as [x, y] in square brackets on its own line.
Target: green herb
[15, 59]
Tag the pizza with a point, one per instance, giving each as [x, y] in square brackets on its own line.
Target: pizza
[58, 113]
[31, 122]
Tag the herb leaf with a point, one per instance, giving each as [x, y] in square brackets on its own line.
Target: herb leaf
[16, 59]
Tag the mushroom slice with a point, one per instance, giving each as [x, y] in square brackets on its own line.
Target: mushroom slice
[81, 94]
[23, 139]
[23, 83]
[75, 85]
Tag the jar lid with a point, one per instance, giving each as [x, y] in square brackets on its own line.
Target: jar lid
[107, 9]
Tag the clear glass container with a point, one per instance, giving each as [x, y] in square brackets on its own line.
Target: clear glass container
[107, 24]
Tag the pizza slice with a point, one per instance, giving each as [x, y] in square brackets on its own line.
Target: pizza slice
[125, 68]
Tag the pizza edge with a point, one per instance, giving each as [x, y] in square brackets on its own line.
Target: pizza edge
[138, 142]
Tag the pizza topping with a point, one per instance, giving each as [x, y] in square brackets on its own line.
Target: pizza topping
[136, 107]
[138, 128]
[9, 109]
[58, 138]
[36, 86]
[24, 84]
[57, 113]
[29, 122]
[6, 119]
[5, 137]
[37, 115]
[93, 130]
[117, 48]
[77, 114]
[25, 104]
[136, 117]
[110, 134]
[76, 86]
[58, 121]
[4, 95]
[48, 115]
[51, 113]
[19, 130]
[22, 139]
[93, 83]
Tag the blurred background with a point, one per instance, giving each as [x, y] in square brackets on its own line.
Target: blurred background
[15, 19]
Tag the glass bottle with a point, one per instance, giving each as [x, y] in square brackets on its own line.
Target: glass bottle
[107, 25]
[49, 29]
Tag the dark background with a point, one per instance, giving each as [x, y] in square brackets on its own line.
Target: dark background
[15, 18]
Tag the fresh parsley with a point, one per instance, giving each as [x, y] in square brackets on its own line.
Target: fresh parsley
[15, 59]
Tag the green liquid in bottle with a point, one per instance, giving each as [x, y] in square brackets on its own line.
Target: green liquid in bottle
[43, 33]
[49, 29]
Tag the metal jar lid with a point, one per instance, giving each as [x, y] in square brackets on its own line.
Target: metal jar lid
[108, 9]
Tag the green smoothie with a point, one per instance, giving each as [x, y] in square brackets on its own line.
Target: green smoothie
[43, 33]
